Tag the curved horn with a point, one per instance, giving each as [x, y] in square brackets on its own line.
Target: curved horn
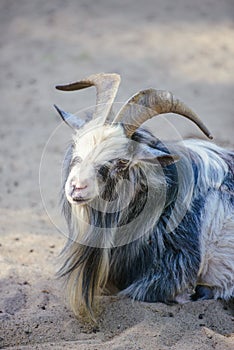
[149, 103]
[106, 86]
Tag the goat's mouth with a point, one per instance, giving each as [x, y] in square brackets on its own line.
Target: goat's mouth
[78, 196]
[80, 200]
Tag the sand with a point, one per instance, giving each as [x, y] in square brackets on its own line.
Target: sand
[184, 46]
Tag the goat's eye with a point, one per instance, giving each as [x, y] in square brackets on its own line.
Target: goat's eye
[122, 163]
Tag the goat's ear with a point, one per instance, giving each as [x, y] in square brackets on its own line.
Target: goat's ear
[70, 119]
[155, 156]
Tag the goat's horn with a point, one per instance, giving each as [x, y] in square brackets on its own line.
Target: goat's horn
[149, 103]
[106, 86]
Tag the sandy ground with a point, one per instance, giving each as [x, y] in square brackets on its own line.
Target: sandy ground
[184, 46]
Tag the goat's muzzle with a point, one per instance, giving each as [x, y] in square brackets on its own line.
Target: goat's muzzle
[77, 193]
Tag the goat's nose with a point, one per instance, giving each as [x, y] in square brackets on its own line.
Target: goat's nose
[78, 186]
[78, 192]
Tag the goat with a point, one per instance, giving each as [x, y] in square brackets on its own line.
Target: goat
[151, 219]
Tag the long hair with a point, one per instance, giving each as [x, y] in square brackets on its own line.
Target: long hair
[163, 205]
[97, 227]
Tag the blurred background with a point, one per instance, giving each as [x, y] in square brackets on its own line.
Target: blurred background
[184, 46]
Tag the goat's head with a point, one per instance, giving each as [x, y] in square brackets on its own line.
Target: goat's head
[103, 149]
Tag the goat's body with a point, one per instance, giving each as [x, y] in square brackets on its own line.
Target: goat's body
[200, 250]
[191, 243]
